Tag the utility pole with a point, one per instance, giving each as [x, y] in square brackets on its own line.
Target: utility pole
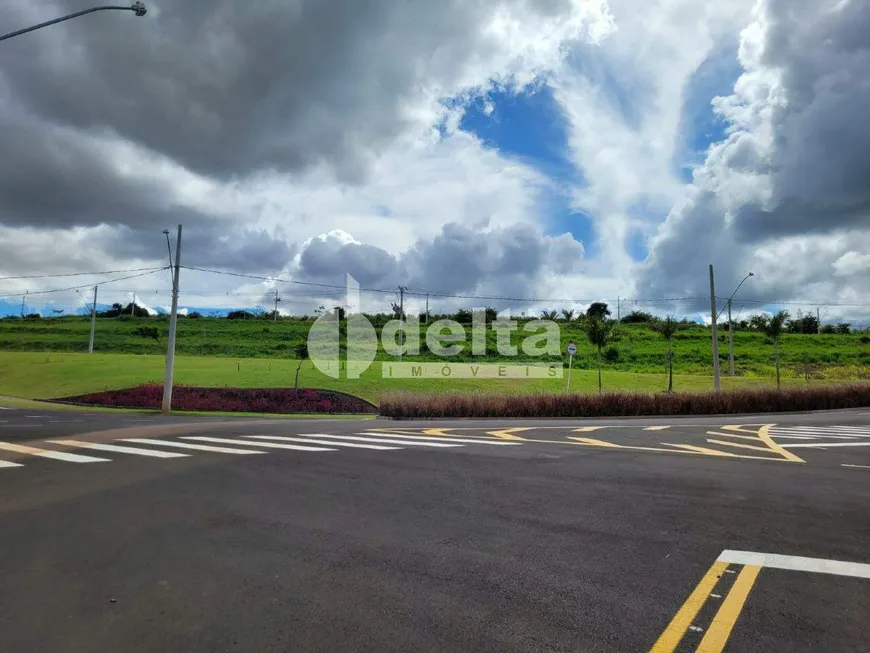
[730, 342]
[818, 321]
[401, 320]
[716, 382]
[23, 299]
[618, 316]
[427, 309]
[173, 322]
[93, 322]
[133, 306]
[277, 299]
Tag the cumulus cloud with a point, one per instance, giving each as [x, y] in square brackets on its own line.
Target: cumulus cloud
[785, 194]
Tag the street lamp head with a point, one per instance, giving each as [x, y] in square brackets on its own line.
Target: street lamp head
[139, 9]
[751, 274]
[166, 231]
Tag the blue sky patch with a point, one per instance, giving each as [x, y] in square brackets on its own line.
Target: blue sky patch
[699, 125]
[530, 126]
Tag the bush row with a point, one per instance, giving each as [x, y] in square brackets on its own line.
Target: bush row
[407, 405]
[255, 400]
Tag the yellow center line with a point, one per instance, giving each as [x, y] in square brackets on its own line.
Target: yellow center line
[719, 631]
[675, 631]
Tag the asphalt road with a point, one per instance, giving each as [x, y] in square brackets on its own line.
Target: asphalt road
[518, 536]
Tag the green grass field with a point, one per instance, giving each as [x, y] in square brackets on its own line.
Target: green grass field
[43, 359]
[52, 375]
[636, 348]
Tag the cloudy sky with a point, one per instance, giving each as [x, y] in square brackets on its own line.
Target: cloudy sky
[549, 149]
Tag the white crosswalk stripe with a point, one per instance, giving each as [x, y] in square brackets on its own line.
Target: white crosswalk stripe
[821, 437]
[54, 455]
[270, 445]
[193, 447]
[391, 440]
[448, 439]
[4, 463]
[135, 451]
[352, 445]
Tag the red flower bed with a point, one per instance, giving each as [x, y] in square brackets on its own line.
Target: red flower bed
[234, 400]
[407, 405]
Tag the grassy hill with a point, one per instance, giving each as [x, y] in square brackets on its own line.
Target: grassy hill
[636, 348]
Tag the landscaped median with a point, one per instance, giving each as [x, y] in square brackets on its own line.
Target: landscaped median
[409, 405]
[231, 400]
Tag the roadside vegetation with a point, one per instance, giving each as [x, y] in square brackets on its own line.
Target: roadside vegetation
[764, 400]
[635, 344]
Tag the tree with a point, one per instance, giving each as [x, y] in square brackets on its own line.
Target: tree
[638, 317]
[844, 328]
[549, 315]
[757, 322]
[668, 327]
[598, 331]
[773, 328]
[339, 312]
[490, 314]
[567, 314]
[599, 310]
[300, 350]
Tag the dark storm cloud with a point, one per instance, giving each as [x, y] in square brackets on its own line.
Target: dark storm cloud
[225, 87]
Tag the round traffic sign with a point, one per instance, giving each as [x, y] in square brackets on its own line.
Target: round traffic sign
[572, 348]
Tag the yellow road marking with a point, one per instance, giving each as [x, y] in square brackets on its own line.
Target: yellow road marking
[734, 435]
[737, 444]
[764, 436]
[442, 432]
[703, 450]
[656, 428]
[597, 443]
[587, 429]
[508, 434]
[675, 631]
[720, 629]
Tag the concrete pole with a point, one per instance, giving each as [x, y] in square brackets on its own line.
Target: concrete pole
[818, 321]
[730, 342]
[93, 322]
[716, 381]
[276, 303]
[173, 321]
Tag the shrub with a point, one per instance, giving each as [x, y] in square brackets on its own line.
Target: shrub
[406, 405]
[611, 354]
[248, 400]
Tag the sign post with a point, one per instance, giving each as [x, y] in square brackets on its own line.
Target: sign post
[572, 349]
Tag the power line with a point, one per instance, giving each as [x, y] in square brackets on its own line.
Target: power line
[87, 285]
[78, 274]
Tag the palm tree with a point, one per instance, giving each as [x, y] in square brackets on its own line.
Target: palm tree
[567, 314]
[301, 352]
[772, 327]
[598, 331]
[549, 315]
[668, 327]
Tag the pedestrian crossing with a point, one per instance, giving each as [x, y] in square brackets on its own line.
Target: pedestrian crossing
[245, 445]
[820, 437]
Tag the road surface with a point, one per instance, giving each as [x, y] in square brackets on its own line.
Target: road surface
[134, 532]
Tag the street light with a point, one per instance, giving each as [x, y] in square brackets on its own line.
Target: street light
[731, 327]
[169, 247]
[138, 9]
